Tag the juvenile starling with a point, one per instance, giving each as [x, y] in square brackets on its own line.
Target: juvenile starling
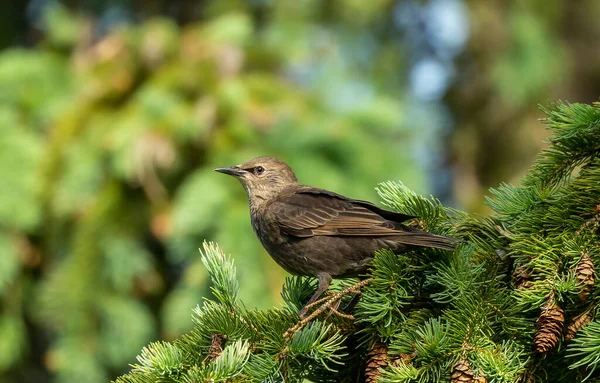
[315, 232]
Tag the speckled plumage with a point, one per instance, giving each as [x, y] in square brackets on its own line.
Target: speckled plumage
[315, 232]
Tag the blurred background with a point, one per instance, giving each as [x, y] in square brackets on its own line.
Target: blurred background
[114, 113]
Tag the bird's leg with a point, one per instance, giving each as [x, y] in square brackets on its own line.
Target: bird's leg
[324, 281]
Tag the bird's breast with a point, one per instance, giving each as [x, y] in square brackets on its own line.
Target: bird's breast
[266, 230]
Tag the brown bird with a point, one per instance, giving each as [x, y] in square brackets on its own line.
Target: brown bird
[318, 233]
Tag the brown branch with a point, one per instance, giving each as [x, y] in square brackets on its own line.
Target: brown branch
[327, 303]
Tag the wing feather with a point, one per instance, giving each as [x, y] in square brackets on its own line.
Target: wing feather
[308, 214]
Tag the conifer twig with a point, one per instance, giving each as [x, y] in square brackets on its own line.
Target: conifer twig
[341, 314]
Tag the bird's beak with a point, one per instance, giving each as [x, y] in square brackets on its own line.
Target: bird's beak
[231, 170]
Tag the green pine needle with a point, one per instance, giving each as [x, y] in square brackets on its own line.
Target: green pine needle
[222, 273]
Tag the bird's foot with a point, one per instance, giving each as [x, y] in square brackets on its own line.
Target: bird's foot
[329, 302]
[324, 281]
[333, 308]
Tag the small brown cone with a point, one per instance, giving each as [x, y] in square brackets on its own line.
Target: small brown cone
[399, 359]
[577, 324]
[521, 277]
[584, 272]
[462, 373]
[376, 358]
[549, 329]
[216, 346]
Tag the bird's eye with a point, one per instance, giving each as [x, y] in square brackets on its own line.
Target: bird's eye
[259, 170]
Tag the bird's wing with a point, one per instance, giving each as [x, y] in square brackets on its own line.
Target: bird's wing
[390, 215]
[319, 212]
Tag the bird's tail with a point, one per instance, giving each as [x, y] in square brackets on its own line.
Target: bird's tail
[424, 239]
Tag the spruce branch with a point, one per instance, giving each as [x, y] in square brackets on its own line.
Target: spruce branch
[433, 216]
[493, 310]
[232, 361]
[317, 342]
[576, 139]
[586, 348]
[503, 362]
[160, 359]
[222, 273]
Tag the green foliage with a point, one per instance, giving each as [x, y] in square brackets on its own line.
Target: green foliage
[574, 143]
[160, 359]
[586, 347]
[108, 147]
[20, 157]
[13, 346]
[433, 309]
[225, 285]
[107, 152]
[249, 344]
[9, 262]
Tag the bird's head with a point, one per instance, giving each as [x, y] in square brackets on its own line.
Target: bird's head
[263, 177]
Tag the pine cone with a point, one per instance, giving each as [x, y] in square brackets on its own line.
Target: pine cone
[376, 358]
[549, 329]
[577, 324]
[405, 359]
[584, 272]
[216, 346]
[521, 277]
[462, 373]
